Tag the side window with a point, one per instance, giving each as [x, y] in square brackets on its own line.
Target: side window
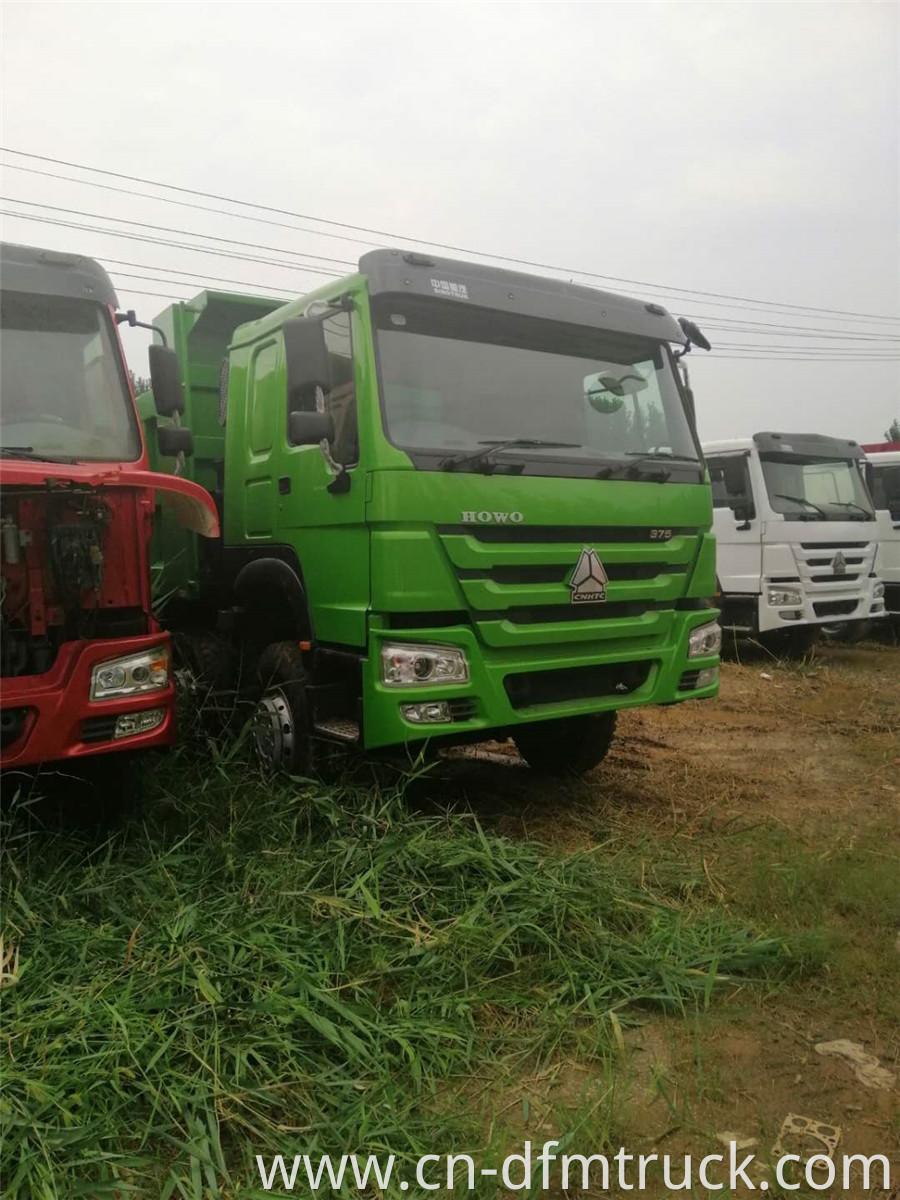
[265, 398]
[734, 485]
[341, 401]
[886, 489]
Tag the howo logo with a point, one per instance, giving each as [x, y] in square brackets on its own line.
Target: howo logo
[483, 517]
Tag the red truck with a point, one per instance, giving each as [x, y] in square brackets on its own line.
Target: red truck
[85, 669]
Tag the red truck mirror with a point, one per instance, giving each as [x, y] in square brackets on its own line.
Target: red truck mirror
[165, 380]
[173, 440]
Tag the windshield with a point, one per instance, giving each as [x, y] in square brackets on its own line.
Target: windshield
[805, 488]
[456, 379]
[64, 392]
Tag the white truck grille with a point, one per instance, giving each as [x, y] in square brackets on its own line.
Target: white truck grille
[835, 575]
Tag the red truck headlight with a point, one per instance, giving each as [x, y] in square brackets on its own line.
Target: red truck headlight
[131, 675]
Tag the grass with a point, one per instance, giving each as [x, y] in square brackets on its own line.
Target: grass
[248, 967]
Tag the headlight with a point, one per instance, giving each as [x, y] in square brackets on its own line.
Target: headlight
[427, 714]
[781, 597]
[707, 677]
[705, 640]
[131, 675]
[128, 724]
[878, 590]
[409, 666]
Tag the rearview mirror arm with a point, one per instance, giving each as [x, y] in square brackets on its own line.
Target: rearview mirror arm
[131, 318]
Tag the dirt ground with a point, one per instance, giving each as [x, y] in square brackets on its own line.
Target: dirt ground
[786, 792]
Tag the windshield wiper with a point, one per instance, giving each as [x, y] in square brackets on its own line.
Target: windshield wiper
[802, 500]
[482, 456]
[640, 456]
[867, 515]
[30, 455]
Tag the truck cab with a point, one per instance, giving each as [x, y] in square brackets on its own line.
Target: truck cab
[458, 503]
[796, 534]
[85, 666]
[883, 473]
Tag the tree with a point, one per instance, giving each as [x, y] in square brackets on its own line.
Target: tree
[892, 433]
[139, 384]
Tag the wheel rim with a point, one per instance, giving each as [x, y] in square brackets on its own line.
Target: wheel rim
[274, 735]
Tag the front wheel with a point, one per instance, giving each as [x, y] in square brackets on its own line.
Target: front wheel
[569, 746]
[281, 730]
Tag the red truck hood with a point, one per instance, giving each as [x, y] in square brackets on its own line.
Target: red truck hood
[191, 504]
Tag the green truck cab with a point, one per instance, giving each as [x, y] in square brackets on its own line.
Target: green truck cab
[458, 503]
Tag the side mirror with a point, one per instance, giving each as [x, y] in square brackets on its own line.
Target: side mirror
[716, 475]
[173, 440]
[306, 360]
[693, 334]
[310, 428]
[165, 380]
[743, 510]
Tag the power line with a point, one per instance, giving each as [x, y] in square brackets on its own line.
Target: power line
[830, 351]
[440, 245]
[770, 359]
[770, 329]
[108, 187]
[181, 283]
[813, 351]
[137, 237]
[192, 274]
[231, 241]
[283, 225]
[834, 341]
[78, 212]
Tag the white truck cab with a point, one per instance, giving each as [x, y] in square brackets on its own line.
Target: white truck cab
[796, 535]
[883, 472]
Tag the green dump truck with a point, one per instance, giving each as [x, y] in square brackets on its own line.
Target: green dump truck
[459, 503]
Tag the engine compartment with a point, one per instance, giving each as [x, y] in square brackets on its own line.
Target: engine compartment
[70, 569]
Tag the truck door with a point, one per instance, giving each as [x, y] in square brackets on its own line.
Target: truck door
[321, 513]
[736, 524]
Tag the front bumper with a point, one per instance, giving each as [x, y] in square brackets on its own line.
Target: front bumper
[51, 716]
[648, 665]
[827, 604]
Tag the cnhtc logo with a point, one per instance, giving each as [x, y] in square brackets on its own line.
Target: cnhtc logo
[588, 581]
[487, 518]
[839, 563]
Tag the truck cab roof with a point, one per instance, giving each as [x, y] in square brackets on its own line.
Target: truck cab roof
[50, 273]
[812, 444]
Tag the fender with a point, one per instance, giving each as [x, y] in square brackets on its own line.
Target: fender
[268, 575]
[192, 504]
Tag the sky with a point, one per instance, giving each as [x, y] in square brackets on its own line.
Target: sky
[741, 150]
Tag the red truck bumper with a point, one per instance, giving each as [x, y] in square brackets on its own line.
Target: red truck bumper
[51, 716]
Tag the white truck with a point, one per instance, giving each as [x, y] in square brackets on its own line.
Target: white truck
[883, 472]
[796, 535]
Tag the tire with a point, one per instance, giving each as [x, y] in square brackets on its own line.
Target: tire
[205, 675]
[790, 643]
[569, 746]
[846, 631]
[280, 723]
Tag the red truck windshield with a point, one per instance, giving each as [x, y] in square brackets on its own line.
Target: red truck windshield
[64, 391]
